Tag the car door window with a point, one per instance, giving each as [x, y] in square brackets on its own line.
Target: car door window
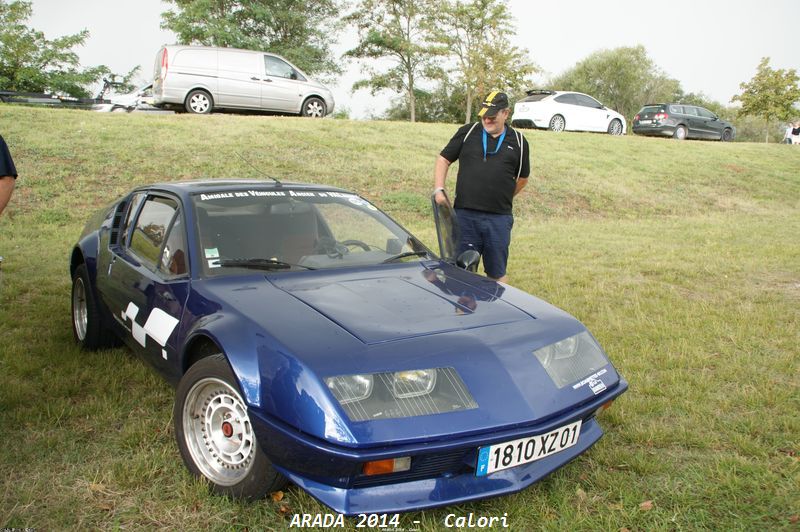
[173, 261]
[676, 109]
[274, 66]
[150, 230]
[587, 101]
[705, 113]
[566, 98]
[133, 208]
[691, 111]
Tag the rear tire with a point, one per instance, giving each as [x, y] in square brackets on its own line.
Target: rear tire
[199, 102]
[87, 324]
[680, 133]
[557, 124]
[215, 435]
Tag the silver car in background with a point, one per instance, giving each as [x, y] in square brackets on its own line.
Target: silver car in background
[201, 79]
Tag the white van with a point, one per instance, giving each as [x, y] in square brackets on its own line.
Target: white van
[202, 78]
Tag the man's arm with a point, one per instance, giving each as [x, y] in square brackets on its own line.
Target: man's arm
[6, 187]
[439, 177]
[521, 182]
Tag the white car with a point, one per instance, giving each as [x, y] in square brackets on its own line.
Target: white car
[139, 100]
[566, 111]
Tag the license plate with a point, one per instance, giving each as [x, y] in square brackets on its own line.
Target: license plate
[645, 121]
[524, 450]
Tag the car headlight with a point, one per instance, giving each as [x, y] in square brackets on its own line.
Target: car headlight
[571, 359]
[350, 388]
[400, 394]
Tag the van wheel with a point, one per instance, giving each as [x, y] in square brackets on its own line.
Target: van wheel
[680, 133]
[198, 102]
[313, 108]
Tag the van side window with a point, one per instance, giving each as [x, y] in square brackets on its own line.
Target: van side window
[278, 68]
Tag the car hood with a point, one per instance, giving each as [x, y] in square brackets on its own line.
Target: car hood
[313, 325]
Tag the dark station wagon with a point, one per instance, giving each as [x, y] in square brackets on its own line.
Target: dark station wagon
[682, 121]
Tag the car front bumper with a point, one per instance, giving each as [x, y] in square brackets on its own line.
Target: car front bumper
[442, 472]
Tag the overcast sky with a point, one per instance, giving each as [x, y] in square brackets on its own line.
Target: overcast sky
[710, 46]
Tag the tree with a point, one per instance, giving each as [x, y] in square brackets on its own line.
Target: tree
[31, 63]
[476, 34]
[443, 104]
[770, 95]
[623, 78]
[299, 30]
[395, 31]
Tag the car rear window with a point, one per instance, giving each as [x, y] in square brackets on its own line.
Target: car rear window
[536, 97]
[652, 109]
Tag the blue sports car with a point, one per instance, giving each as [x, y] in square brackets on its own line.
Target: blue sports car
[312, 339]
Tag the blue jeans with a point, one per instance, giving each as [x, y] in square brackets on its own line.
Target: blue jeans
[490, 235]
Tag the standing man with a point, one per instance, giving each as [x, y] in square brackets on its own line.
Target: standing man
[8, 174]
[494, 165]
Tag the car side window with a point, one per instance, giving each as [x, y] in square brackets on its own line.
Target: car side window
[174, 257]
[705, 113]
[676, 109]
[566, 98]
[689, 110]
[587, 101]
[133, 208]
[274, 66]
[150, 230]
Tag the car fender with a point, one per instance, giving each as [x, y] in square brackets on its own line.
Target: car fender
[271, 379]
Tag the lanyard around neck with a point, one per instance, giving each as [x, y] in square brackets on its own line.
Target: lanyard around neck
[499, 142]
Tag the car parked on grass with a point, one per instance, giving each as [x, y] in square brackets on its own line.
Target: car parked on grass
[566, 111]
[140, 99]
[681, 121]
[313, 339]
[200, 79]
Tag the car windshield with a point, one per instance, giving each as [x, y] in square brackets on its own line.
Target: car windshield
[286, 229]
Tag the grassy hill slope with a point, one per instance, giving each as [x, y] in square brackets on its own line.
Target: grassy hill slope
[683, 258]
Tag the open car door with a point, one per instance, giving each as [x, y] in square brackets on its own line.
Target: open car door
[447, 229]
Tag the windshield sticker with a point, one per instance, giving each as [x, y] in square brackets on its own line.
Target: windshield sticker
[594, 382]
[212, 253]
[214, 263]
[283, 194]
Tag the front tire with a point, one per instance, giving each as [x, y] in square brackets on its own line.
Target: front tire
[615, 128]
[680, 133]
[199, 102]
[557, 124]
[87, 324]
[215, 435]
[314, 108]
[727, 135]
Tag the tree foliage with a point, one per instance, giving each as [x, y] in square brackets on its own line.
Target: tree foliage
[623, 78]
[476, 32]
[31, 63]
[301, 31]
[770, 95]
[395, 32]
[443, 104]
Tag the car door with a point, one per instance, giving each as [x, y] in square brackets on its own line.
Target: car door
[572, 112]
[595, 116]
[694, 124]
[149, 273]
[711, 125]
[280, 90]
[239, 80]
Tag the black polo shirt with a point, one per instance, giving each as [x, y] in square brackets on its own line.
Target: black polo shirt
[487, 184]
[6, 163]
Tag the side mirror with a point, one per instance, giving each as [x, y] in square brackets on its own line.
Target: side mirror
[469, 260]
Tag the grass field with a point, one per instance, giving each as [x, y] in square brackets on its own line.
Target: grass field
[683, 258]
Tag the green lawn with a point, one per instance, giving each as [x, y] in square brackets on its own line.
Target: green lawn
[683, 258]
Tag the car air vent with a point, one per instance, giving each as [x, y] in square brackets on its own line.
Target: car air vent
[117, 222]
